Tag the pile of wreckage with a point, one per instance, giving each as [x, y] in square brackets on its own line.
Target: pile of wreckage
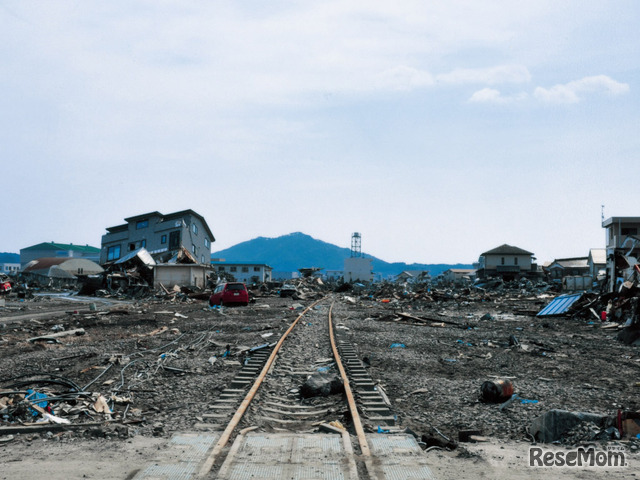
[132, 276]
[615, 310]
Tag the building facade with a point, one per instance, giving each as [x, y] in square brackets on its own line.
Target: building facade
[161, 235]
[568, 267]
[506, 261]
[246, 272]
[8, 268]
[358, 269]
[458, 276]
[58, 250]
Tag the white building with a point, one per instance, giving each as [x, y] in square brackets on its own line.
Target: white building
[246, 272]
[8, 268]
[358, 269]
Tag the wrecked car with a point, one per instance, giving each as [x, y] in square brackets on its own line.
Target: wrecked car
[230, 294]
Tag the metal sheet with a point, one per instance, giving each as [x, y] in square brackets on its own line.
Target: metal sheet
[559, 305]
[187, 451]
[283, 455]
[399, 457]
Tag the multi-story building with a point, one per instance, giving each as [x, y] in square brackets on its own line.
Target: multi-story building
[246, 272]
[506, 261]
[623, 248]
[58, 250]
[162, 235]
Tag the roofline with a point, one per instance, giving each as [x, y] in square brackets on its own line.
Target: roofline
[195, 214]
[59, 246]
[612, 220]
[136, 217]
[570, 258]
[522, 252]
[245, 264]
[167, 216]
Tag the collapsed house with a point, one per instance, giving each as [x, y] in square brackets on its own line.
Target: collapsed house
[58, 271]
[139, 274]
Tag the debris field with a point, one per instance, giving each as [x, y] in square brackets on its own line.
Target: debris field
[107, 370]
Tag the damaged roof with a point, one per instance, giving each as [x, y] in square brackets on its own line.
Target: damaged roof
[506, 250]
[143, 255]
[559, 305]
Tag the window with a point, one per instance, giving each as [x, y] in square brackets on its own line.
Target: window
[194, 227]
[206, 242]
[193, 248]
[515, 260]
[502, 260]
[174, 240]
[113, 253]
[143, 243]
[132, 247]
[245, 269]
[628, 231]
[256, 269]
[221, 269]
[142, 224]
[163, 239]
[202, 259]
[80, 271]
[233, 269]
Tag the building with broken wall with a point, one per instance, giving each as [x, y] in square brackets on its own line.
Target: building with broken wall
[161, 235]
[623, 250]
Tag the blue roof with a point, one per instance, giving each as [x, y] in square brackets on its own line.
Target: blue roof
[559, 305]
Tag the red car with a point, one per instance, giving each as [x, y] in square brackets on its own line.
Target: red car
[230, 293]
[5, 284]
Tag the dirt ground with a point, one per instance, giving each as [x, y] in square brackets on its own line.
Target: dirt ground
[165, 363]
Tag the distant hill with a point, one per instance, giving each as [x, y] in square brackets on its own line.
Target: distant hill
[6, 257]
[297, 250]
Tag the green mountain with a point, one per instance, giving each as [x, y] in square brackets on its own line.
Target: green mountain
[298, 250]
[6, 257]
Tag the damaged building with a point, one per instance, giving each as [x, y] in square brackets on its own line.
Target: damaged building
[623, 250]
[54, 271]
[163, 236]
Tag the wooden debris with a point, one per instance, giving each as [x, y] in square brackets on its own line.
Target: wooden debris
[55, 336]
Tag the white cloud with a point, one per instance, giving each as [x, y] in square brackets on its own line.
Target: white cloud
[404, 78]
[491, 95]
[489, 76]
[575, 91]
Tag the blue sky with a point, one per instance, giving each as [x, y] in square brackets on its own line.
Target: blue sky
[438, 130]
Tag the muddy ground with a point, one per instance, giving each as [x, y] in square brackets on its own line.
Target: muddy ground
[165, 363]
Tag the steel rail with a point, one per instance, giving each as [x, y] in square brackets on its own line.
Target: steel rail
[226, 435]
[355, 416]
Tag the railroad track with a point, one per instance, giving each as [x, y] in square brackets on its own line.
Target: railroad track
[262, 428]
